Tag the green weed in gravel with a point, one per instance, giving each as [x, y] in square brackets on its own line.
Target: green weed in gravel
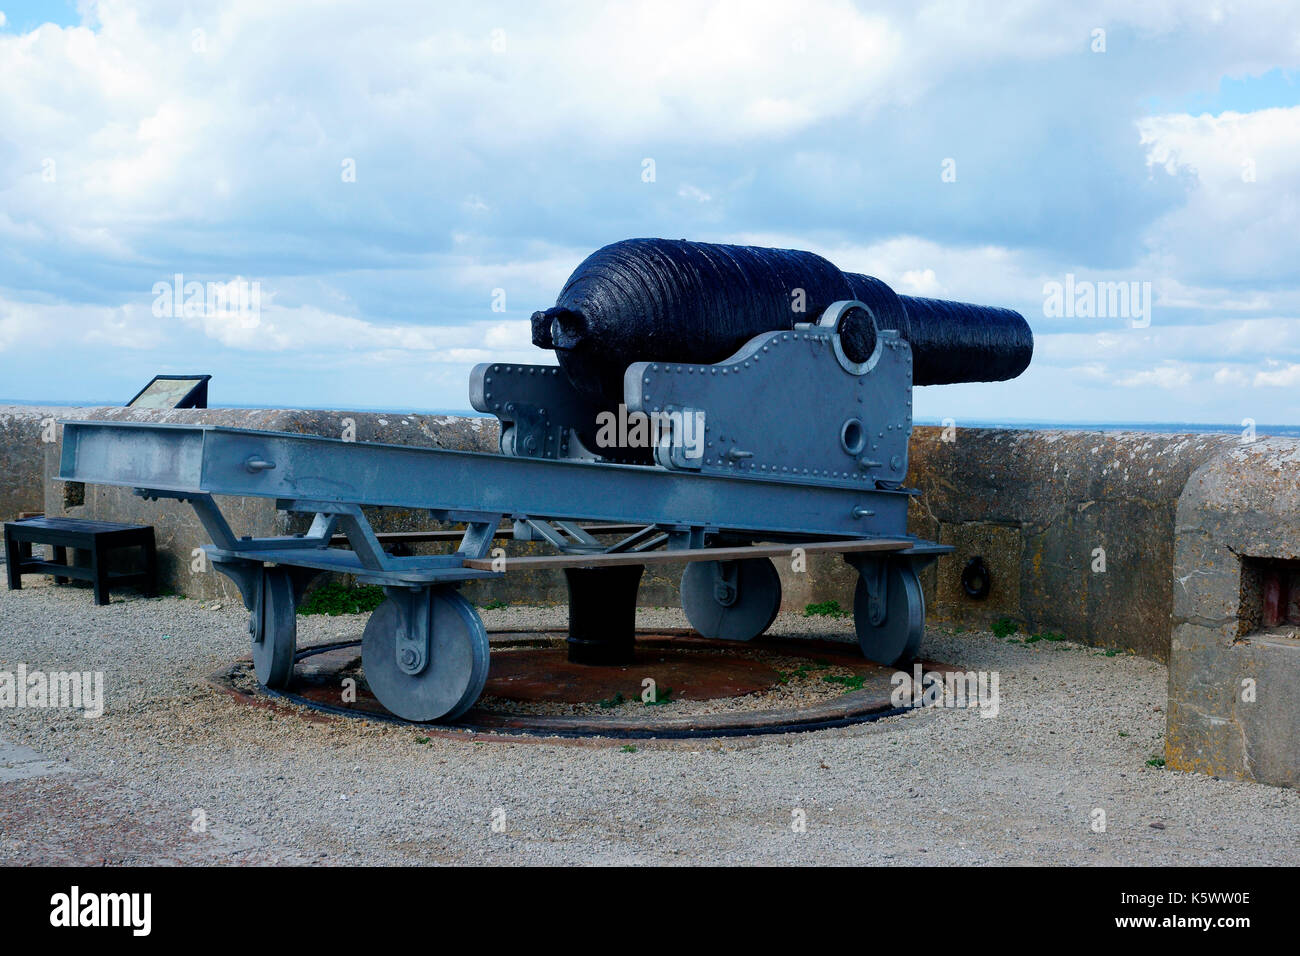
[1004, 627]
[335, 599]
[851, 682]
[825, 609]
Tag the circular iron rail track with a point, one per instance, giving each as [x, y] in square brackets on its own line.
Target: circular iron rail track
[849, 709]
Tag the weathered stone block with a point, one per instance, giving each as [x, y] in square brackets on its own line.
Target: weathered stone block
[1001, 548]
[1233, 707]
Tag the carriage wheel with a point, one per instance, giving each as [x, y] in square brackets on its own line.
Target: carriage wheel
[274, 627]
[425, 654]
[891, 632]
[731, 600]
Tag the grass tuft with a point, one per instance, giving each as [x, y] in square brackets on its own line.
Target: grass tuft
[1004, 627]
[335, 599]
[825, 609]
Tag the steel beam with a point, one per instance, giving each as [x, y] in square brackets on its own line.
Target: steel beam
[206, 459]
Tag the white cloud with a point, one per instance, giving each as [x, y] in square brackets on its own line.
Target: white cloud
[918, 266]
[1242, 215]
[922, 282]
[62, 328]
[1166, 376]
[1244, 340]
[1283, 376]
[147, 129]
[224, 157]
[307, 328]
[1229, 375]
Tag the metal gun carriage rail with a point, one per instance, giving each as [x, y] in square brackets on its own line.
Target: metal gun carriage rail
[801, 448]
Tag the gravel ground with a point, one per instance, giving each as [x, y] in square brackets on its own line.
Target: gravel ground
[940, 786]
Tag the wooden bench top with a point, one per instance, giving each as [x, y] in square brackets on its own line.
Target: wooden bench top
[73, 525]
[599, 559]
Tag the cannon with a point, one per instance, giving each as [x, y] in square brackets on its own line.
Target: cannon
[794, 441]
[679, 301]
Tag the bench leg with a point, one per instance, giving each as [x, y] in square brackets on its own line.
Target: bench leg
[150, 588]
[100, 568]
[13, 559]
[59, 555]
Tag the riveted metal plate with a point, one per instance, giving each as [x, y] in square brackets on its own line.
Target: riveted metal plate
[785, 406]
[541, 414]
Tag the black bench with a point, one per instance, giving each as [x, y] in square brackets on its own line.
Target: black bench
[96, 537]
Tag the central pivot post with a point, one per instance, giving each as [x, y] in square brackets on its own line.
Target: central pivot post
[602, 613]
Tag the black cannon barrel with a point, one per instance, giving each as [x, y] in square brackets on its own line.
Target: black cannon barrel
[951, 341]
[679, 301]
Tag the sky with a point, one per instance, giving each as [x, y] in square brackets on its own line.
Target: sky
[402, 185]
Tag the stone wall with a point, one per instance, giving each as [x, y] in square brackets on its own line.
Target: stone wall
[27, 433]
[1037, 505]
